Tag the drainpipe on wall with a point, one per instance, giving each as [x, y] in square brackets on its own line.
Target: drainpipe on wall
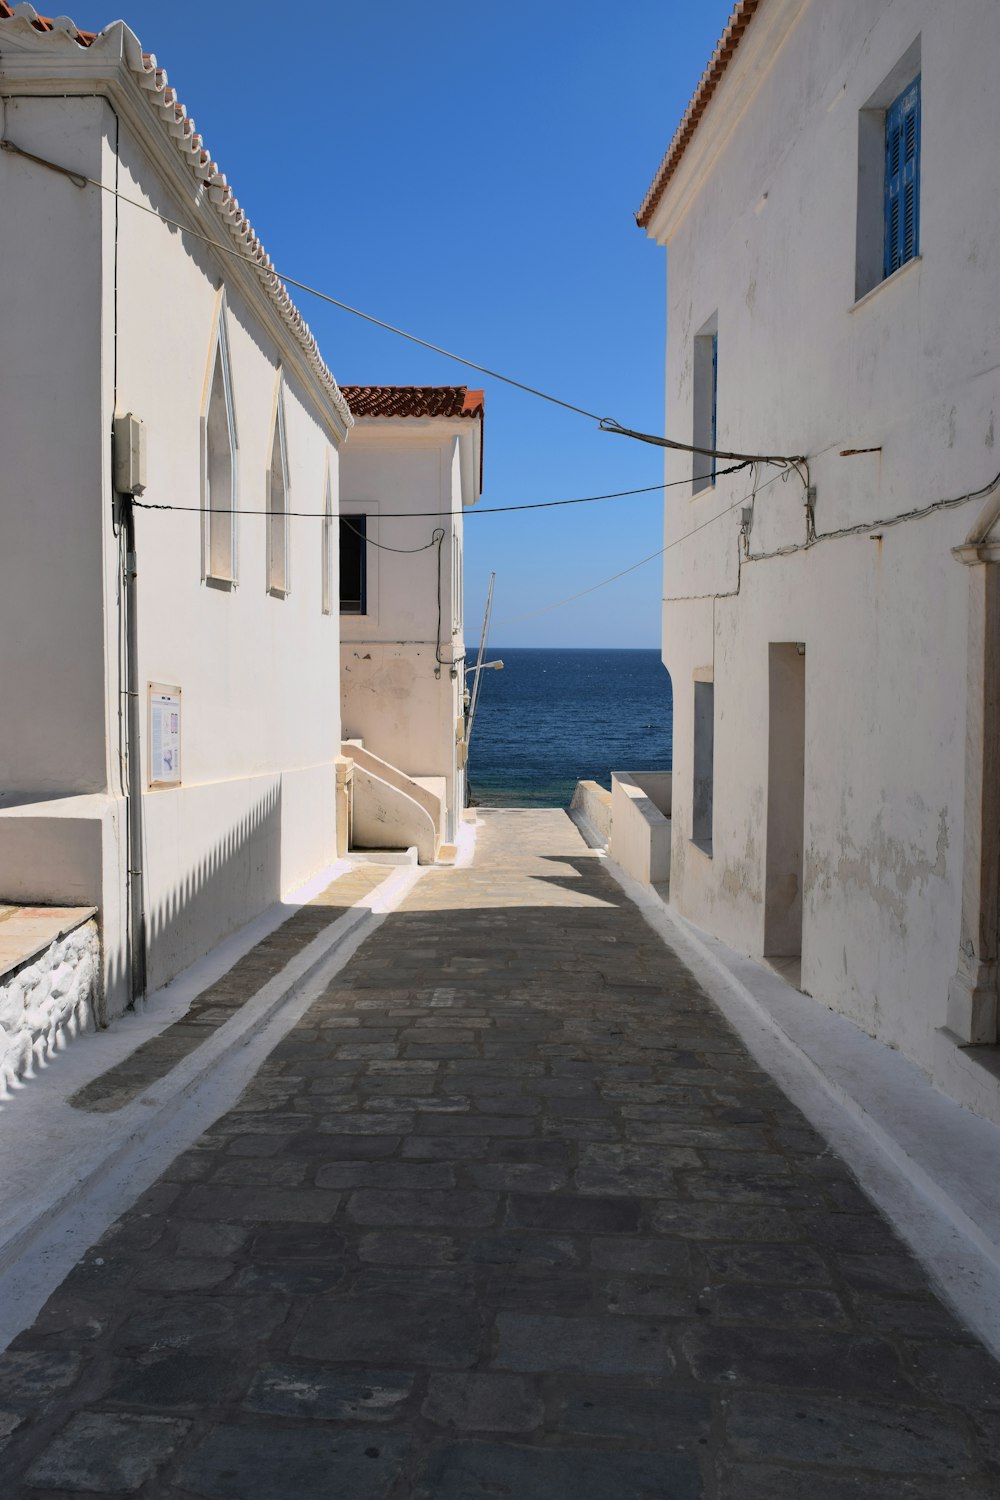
[130, 480]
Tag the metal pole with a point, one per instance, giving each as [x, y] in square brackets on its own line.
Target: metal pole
[479, 659]
[133, 759]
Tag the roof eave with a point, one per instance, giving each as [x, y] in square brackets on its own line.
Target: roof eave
[115, 64]
[745, 71]
[416, 426]
[742, 14]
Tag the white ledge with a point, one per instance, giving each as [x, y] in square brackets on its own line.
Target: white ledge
[915, 260]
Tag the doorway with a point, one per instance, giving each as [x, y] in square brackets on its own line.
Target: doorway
[786, 785]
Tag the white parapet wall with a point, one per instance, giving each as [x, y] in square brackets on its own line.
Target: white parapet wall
[71, 851]
[47, 1002]
[385, 817]
[590, 810]
[640, 824]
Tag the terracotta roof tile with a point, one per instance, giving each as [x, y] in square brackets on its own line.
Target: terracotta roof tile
[740, 19]
[45, 23]
[413, 401]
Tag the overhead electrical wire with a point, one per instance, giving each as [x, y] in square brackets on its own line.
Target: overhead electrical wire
[363, 536]
[737, 460]
[860, 528]
[605, 424]
[412, 515]
[870, 528]
[558, 604]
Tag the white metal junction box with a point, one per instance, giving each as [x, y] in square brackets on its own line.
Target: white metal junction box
[129, 454]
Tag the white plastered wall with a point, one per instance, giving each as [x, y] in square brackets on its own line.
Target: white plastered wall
[760, 224]
[55, 467]
[114, 310]
[61, 818]
[255, 814]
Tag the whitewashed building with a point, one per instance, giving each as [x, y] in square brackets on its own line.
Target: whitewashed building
[830, 204]
[233, 671]
[413, 465]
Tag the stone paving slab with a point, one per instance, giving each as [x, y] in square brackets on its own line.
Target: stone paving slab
[510, 1213]
[217, 1004]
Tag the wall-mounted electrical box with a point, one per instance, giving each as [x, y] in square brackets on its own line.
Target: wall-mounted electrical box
[129, 455]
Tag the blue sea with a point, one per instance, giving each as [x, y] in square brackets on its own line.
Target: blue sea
[554, 717]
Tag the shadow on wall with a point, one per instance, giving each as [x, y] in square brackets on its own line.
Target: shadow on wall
[230, 884]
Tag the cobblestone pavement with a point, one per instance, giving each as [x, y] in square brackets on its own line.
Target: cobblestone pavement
[510, 1213]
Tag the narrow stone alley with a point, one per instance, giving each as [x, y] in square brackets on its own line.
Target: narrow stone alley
[511, 1212]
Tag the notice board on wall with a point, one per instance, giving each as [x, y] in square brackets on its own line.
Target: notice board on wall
[164, 735]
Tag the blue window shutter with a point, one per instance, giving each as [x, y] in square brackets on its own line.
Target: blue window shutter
[902, 179]
[715, 398]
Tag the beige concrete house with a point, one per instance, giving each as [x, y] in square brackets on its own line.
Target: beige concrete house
[831, 207]
[170, 711]
[413, 465]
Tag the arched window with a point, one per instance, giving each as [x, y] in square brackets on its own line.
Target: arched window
[219, 487]
[277, 504]
[327, 547]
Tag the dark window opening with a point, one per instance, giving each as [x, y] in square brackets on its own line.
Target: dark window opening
[704, 765]
[353, 565]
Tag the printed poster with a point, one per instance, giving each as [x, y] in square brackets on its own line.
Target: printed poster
[164, 735]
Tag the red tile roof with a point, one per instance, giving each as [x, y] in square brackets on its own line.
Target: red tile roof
[743, 13]
[44, 23]
[414, 401]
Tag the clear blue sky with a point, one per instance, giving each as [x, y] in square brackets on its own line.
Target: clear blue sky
[470, 172]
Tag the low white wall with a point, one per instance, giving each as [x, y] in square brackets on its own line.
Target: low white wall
[384, 817]
[415, 787]
[591, 807]
[47, 1002]
[71, 851]
[658, 786]
[214, 855]
[437, 787]
[640, 834]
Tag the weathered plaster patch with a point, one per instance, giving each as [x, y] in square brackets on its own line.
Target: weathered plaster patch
[886, 870]
[741, 878]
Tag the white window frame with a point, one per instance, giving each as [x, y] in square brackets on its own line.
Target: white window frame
[704, 404]
[279, 569]
[457, 582]
[219, 357]
[328, 591]
[869, 268]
